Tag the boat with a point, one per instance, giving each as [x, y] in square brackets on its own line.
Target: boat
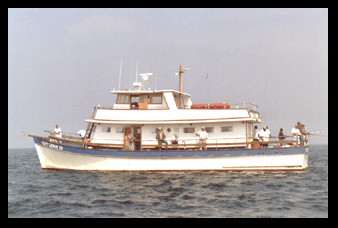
[230, 145]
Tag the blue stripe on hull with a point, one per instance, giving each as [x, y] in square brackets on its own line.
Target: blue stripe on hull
[173, 154]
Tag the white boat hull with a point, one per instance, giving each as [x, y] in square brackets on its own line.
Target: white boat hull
[54, 158]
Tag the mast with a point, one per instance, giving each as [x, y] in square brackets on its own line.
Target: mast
[181, 70]
[180, 80]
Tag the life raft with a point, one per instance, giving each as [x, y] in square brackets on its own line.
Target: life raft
[211, 106]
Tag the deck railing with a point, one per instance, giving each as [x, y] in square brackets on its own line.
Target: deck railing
[184, 144]
[249, 105]
[246, 105]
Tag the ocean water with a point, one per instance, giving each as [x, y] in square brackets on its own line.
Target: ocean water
[33, 192]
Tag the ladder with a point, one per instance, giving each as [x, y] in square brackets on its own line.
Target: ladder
[90, 126]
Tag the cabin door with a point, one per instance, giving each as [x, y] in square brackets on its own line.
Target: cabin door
[143, 104]
[138, 136]
[136, 132]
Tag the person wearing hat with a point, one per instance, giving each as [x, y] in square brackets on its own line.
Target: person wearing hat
[203, 134]
[160, 136]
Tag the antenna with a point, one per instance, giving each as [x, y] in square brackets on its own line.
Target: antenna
[137, 84]
[156, 82]
[136, 69]
[145, 78]
[120, 74]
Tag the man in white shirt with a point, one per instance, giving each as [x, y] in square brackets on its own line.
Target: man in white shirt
[203, 134]
[264, 135]
[296, 134]
[57, 132]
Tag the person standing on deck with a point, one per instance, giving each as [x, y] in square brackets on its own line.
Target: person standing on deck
[296, 134]
[131, 140]
[160, 136]
[304, 135]
[256, 134]
[281, 136]
[264, 135]
[267, 129]
[203, 134]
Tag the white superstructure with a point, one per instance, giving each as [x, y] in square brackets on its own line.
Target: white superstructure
[143, 112]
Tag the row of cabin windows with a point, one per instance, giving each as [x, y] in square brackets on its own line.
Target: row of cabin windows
[146, 98]
[152, 99]
[108, 129]
[186, 130]
[208, 129]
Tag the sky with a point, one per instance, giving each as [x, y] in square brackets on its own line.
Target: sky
[63, 62]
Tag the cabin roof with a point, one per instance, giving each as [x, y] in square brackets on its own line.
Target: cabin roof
[146, 92]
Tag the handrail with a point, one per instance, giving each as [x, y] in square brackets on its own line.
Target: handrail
[247, 144]
[65, 134]
[248, 105]
[250, 139]
[245, 105]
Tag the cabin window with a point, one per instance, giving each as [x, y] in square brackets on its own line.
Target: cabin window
[122, 99]
[226, 129]
[155, 130]
[119, 130]
[143, 99]
[189, 130]
[156, 99]
[134, 102]
[209, 129]
[106, 129]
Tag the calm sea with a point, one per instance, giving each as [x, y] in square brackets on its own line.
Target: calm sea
[33, 192]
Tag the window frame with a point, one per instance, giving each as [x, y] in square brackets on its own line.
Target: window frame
[186, 130]
[230, 129]
[124, 100]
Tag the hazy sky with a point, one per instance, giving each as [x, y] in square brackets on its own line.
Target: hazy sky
[63, 62]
